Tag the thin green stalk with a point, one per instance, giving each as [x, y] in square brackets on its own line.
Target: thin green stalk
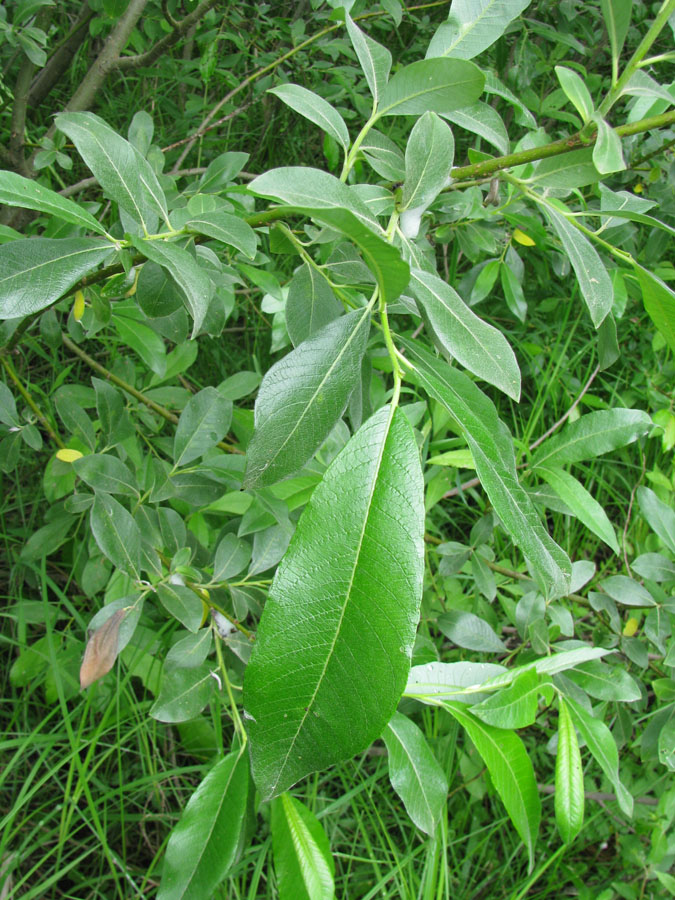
[9, 368]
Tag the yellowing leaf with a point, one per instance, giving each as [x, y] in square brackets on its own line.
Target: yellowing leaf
[522, 238]
[68, 456]
[630, 627]
[78, 306]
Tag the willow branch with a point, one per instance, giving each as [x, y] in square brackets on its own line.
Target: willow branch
[125, 63]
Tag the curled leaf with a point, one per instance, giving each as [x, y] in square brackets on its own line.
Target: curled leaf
[101, 650]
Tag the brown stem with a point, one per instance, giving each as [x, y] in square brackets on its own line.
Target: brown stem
[61, 58]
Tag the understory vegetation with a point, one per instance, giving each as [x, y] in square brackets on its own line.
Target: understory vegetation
[336, 449]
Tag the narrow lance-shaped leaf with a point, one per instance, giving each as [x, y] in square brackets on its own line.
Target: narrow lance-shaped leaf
[511, 772]
[607, 152]
[569, 778]
[473, 25]
[333, 648]
[117, 534]
[228, 229]
[37, 271]
[431, 85]
[479, 347]
[515, 706]
[375, 59]
[302, 397]
[482, 119]
[660, 517]
[415, 773]
[204, 843]
[594, 282]
[492, 450]
[592, 435]
[584, 506]
[302, 859]
[577, 93]
[428, 159]
[311, 304]
[119, 168]
[659, 301]
[314, 108]
[616, 14]
[15, 190]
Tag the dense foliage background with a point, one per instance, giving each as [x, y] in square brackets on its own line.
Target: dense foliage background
[220, 372]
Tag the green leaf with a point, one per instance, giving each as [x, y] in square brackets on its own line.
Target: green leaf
[415, 773]
[191, 650]
[47, 539]
[375, 59]
[183, 604]
[204, 421]
[654, 567]
[157, 293]
[514, 706]
[232, 556]
[594, 282]
[116, 425]
[473, 26]
[15, 190]
[302, 397]
[605, 682]
[428, 160]
[125, 175]
[511, 772]
[659, 301]
[607, 152]
[204, 843]
[143, 340]
[383, 156]
[434, 85]
[468, 630]
[321, 685]
[616, 14]
[483, 120]
[8, 412]
[592, 435]
[37, 271]
[227, 229]
[492, 449]
[314, 108]
[567, 171]
[513, 291]
[304, 188]
[116, 534]
[584, 506]
[479, 347]
[105, 472]
[626, 591]
[302, 858]
[659, 516]
[569, 778]
[311, 304]
[183, 695]
[196, 286]
[577, 93]
[599, 740]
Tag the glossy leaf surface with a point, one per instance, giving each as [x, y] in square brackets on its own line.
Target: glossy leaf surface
[302, 397]
[116, 534]
[333, 648]
[569, 778]
[204, 421]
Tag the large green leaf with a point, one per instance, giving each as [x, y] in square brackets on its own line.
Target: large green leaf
[375, 59]
[492, 449]
[105, 472]
[314, 108]
[511, 772]
[119, 168]
[204, 843]
[311, 304]
[204, 421]
[302, 397]
[605, 682]
[479, 347]
[594, 282]
[428, 160]
[116, 534]
[659, 301]
[584, 506]
[603, 747]
[195, 284]
[473, 25]
[415, 773]
[333, 648]
[434, 85]
[302, 859]
[15, 190]
[592, 435]
[569, 778]
[37, 271]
